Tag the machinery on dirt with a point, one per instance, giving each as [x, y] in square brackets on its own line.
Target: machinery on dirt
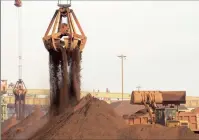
[168, 117]
[165, 115]
[65, 44]
[20, 91]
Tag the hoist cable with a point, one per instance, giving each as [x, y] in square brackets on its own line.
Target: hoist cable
[19, 44]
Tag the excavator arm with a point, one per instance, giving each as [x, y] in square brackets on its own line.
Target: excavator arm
[148, 99]
[149, 111]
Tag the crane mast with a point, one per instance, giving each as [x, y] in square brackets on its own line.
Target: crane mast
[19, 89]
[19, 45]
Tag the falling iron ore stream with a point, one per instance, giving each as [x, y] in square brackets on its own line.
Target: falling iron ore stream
[64, 84]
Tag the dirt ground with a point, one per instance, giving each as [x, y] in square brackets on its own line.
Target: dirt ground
[148, 132]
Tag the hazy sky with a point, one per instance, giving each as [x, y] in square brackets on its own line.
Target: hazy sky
[160, 40]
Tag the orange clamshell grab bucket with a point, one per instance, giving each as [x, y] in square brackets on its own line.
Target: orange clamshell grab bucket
[18, 3]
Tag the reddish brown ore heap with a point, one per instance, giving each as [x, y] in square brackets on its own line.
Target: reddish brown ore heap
[157, 132]
[20, 126]
[124, 107]
[8, 124]
[95, 120]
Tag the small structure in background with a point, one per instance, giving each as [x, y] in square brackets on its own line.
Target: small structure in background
[107, 90]
[4, 86]
[11, 85]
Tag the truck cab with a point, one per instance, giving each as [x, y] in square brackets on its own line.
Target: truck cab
[168, 117]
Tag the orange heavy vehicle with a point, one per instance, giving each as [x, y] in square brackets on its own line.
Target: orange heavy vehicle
[163, 108]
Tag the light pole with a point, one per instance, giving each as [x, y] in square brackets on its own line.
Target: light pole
[122, 57]
[138, 87]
